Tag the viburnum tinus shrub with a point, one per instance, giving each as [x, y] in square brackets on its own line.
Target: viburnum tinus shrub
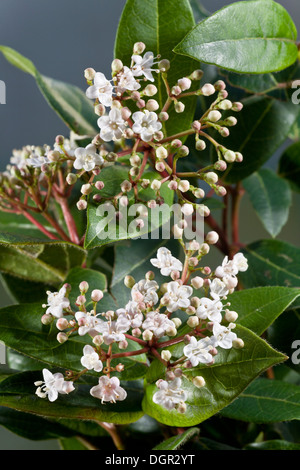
[126, 329]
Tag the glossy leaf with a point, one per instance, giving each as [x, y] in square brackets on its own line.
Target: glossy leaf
[266, 401]
[67, 100]
[38, 261]
[102, 227]
[289, 165]
[271, 199]
[271, 263]
[31, 426]
[246, 37]
[263, 125]
[232, 371]
[77, 405]
[285, 334]
[160, 25]
[177, 441]
[259, 307]
[275, 444]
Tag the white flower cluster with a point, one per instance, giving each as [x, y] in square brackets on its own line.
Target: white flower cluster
[150, 319]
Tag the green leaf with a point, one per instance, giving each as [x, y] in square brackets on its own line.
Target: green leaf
[74, 443]
[68, 101]
[275, 444]
[289, 165]
[102, 227]
[23, 291]
[47, 262]
[284, 335]
[259, 307]
[266, 401]
[177, 441]
[18, 392]
[246, 37]
[21, 330]
[271, 198]
[31, 427]
[160, 24]
[232, 371]
[271, 263]
[263, 125]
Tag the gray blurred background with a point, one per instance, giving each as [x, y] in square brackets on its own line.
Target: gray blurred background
[62, 38]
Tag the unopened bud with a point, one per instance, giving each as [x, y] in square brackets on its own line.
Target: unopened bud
[71, 178]
[184, 83]
[150, 90]
[220, 165]
[161, 153]
[237, 106]
[225, 105]
[126, 186]
[86, 189]
[211, 177]
[116, 66]
[199, 381]
[99, 109]
[125, 113]
[81, 204]
[193, 321]
[163, 116]
[214, 116]
[238, 343]
[179, 107]
[139, 48]
[229, 156]
[147, 335]
[164, 65]
[196, 75]
[152, 105]
[200, 145]
[96, 295]
[62, 337]
[166, 355]
[129, 281]
[123, 344]
[184, 186]
[212, 238]
[208, 89]
[62, 324]
[89, 74]
[197, 282]
[83, 287]
[230, 316]
[47, 319]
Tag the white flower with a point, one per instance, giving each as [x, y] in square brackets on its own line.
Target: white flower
[143, 65]
[57, 302]
[240, 262]
[90, 359]
[88, 323]
[112, 126]
[147, 289]
[19, 158]
[146, 124]
[218, 289]
[52, 385]
[87, 158]
[199, 351]
[223, 335]
[166, 262]
[69, 146]
[230, 268]
[132, 313]
[170, 394]
[158, 323]
[108, 389]
[113, 331]
[36, 161]
[126, 81]
[177, 296]
[102, 89]
[209, 309]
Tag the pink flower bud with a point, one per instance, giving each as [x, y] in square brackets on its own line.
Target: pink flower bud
[96, 295]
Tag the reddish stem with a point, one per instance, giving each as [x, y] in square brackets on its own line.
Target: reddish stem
[39, 226]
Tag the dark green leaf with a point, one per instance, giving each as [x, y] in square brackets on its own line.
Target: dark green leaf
[38, 261]
[271, 198]
[275, 444]
[258, 308]
[160, 24]
[68, 101]
[177, 441]
[266, 401]
[31, 427]
[247, 37]
[289, 165]
[263, 125]
[271, 263]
